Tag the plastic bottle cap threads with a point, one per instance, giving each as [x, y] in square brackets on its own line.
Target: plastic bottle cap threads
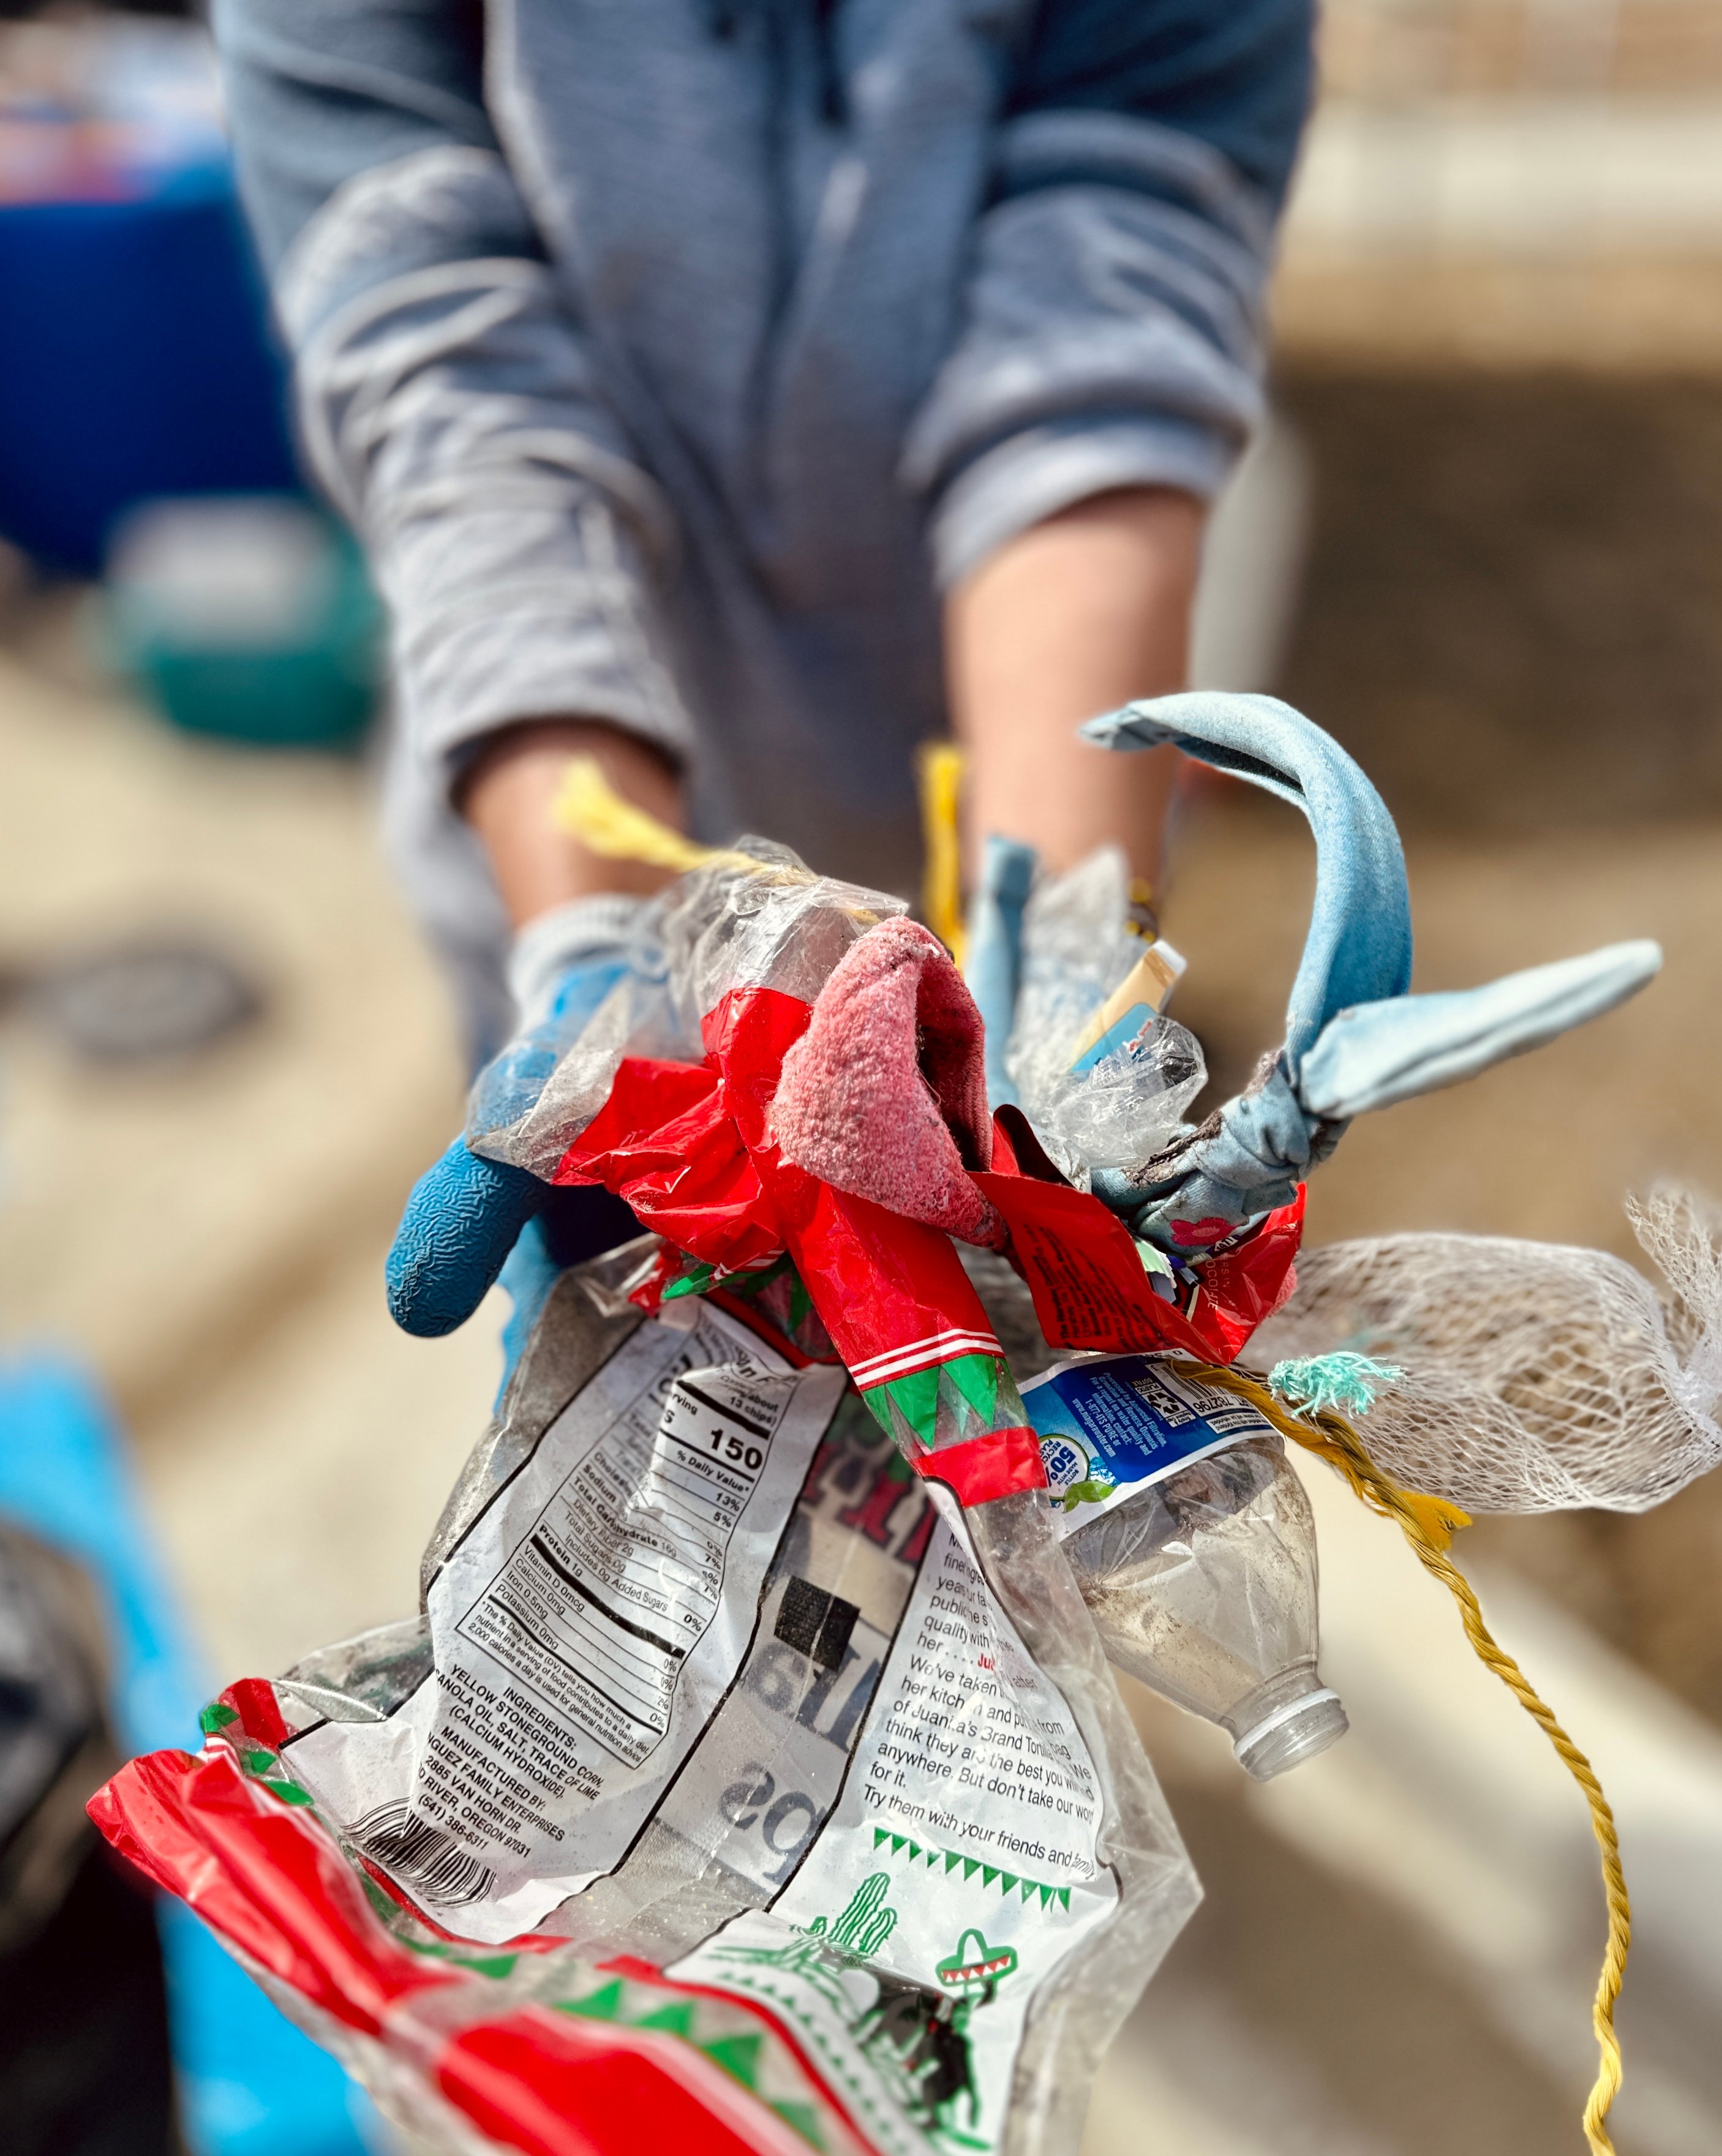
[1254, 1739]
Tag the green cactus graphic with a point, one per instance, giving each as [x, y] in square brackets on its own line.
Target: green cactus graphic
[868, 1922]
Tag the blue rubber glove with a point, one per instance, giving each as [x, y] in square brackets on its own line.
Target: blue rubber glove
[992, 964]
[1354, 1039]
[470, 1221]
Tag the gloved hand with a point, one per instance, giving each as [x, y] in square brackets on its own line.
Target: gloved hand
[1354, 1039]
[469, 1220]
[993, 965]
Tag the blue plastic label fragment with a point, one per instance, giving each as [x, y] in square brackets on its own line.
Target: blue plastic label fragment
[1111, 1424]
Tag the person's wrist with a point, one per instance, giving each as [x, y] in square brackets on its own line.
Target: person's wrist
[506, 791]
[1074, 616]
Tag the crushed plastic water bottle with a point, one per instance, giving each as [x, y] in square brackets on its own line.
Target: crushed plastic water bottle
[1188, 1530]
[1192, 1540]
[1203, 1587]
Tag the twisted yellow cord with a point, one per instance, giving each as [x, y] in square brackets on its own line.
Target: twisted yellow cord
[1428, 1525]
[939, 767]
[588, 808]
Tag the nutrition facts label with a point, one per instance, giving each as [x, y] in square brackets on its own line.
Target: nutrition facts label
[586, 1627]
[622, 1574]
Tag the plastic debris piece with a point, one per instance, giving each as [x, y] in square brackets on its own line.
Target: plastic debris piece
[1344, 1382]
[588, 808]
[939, 768]
[992, 962]
[736, 1793]
[1194, 1545]
[1079, 949]
[1132, 1007]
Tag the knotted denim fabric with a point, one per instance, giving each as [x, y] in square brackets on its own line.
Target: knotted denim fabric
[1245, 1159]
[1355, 1038]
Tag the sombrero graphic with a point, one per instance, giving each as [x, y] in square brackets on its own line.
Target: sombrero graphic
[975, 1962]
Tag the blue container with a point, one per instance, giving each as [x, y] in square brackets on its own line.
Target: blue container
[249, 2083]
[136, 362]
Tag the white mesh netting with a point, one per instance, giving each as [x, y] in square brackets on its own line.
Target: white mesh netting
[1537, 1377]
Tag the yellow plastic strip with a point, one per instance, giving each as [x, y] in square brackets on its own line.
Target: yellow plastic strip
[1428, 1525]
[939, 767]
[588, 808]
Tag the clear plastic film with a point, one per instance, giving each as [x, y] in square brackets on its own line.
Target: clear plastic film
[1078, 946]
[637, 1017]
[726, 927]
[718, 927]
[1527, 1377]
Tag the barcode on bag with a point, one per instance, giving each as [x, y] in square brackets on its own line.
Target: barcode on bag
[422, 1856]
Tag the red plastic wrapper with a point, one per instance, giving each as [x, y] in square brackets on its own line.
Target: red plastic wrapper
[608, 2058]
[691, 1150]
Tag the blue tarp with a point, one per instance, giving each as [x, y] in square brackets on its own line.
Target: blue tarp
[251, 2084]
[136, 362]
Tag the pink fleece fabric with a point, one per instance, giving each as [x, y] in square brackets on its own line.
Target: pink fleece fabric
[884, 1096]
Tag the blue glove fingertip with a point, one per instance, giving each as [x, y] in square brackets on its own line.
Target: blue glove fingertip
[464, 1217]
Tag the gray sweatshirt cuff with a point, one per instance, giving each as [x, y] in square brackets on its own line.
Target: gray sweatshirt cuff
[526, 610]
[1036, 474]
[604, 927]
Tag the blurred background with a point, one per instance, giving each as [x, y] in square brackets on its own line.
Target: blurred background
[1481, 544]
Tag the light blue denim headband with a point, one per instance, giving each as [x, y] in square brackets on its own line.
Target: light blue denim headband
[1354, 1039]
[1359, 948]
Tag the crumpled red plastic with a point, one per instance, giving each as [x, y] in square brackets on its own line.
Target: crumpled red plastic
[709, 1177]
[689, 1148]
[1091, 1291]
[273, 1883]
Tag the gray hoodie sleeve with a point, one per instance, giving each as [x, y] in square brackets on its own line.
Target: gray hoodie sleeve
[444, 398]
[1114, 332]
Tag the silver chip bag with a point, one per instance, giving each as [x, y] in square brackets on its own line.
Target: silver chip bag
[726, 1751]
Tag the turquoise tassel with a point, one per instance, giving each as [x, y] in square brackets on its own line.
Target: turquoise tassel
[1340, 1384]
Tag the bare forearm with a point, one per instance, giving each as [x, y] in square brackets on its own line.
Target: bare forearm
[1075, 616]
[507, 795]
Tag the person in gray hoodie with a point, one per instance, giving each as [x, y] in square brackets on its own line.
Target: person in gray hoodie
[745, 391]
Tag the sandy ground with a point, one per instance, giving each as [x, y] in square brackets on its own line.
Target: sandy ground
[1398, 1943]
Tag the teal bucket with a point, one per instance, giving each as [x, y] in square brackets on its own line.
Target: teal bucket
[247, 617]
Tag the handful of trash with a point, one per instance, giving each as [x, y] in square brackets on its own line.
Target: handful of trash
[753, 1778]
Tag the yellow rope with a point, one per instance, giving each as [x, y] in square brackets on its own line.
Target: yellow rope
[1428, 1525]
[939, 767]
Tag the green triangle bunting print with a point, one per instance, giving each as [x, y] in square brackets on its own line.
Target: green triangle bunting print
[601, 2005]
[738, 2057]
